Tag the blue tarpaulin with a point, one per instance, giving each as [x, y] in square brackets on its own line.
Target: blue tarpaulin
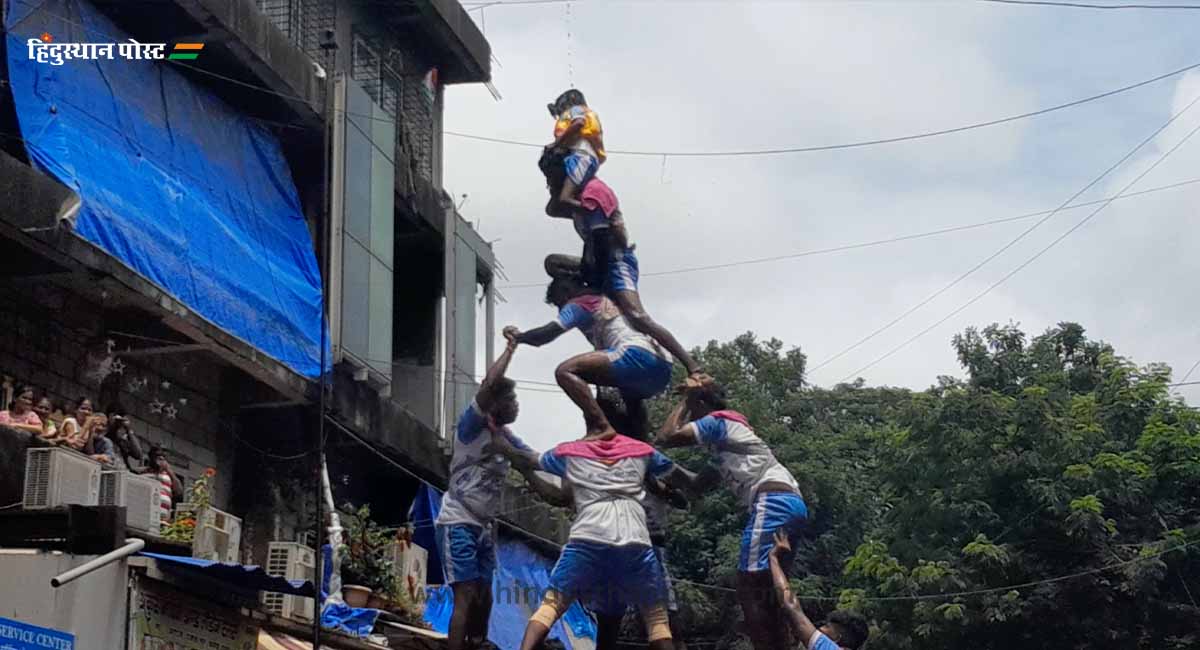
[521, 577]
[337, 615]
[183, 189]
[242, 575]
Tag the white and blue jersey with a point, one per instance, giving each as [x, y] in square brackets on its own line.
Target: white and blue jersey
[608, 493]
[821, 642]
[743, 458]
[608, 561]
[476, 478]
[746, 464]
[472, 500]
[640, 368]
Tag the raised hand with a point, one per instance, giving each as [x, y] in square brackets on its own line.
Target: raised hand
[783, 545]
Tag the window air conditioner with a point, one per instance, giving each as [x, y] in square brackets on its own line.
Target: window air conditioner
[56, 477]
[411, 565]
[294, 562]
[218, 534]
[138, 494]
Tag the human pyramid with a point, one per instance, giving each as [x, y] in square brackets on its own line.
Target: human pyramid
[621, 487]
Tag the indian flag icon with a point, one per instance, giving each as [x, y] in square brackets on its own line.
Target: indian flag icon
[185, 51]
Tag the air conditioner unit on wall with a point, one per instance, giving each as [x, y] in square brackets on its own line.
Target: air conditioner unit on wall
[294, 562]
[138, 494]
[56, 477]
[218, 534]
[411, 566]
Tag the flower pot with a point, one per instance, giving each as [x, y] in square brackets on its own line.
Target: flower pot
[377, 601]
[356, 595]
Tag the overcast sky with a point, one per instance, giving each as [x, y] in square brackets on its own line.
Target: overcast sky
[685, 75]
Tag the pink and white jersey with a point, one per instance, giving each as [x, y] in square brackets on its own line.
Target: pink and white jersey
[602, 322]
[607, 478]
[744, 459]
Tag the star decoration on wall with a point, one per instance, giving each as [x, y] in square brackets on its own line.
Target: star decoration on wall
[136, 385]
[166, 385]
[170, 411]
[156, 406]
[117, 367]
[183, 401]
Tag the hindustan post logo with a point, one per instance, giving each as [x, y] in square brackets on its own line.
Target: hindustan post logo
[46, 50]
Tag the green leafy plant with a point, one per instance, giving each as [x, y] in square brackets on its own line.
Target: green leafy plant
[182, 527]
[366, 552]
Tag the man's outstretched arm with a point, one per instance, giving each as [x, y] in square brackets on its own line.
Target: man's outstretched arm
[525, 460]
[486, 395]
[536, 337]
[676, 432]
[796, 617]
[550, 493]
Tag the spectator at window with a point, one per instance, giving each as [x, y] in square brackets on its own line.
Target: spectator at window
[72, 427]
[171, 490]
[121, 435]
[21, 415]
[97, 444]
[44, 407]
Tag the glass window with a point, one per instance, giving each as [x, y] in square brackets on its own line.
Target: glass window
[380, 345]
[356, 264]
[383, 132]
[383, 200]
[358, 184]
[358, 102]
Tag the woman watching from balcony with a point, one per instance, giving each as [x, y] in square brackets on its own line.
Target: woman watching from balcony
[98, 446]
[21, 415]
[44, 407]
[72, 430]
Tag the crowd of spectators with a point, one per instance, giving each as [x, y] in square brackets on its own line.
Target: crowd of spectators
[104, 436]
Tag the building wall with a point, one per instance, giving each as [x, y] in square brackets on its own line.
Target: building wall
[91, 607]
[56, 341]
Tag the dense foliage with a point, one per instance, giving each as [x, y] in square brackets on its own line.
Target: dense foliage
[1051, 499]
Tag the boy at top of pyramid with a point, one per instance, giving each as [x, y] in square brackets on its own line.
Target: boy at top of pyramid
[579, 143]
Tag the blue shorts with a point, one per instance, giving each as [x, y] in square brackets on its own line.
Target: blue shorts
[771, 511]
[467, 553]
[672, 603]
[580, 167]
[638, 372]
[622, 273]
[608, 579]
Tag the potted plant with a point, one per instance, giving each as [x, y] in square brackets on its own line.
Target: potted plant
[182, 527]
[366, 565]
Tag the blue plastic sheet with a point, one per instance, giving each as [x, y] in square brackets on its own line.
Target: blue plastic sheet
[521, 577]
[337, 615]
[242, 575]
[179, 186]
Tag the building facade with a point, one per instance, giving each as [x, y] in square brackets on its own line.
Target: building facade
[173, 227]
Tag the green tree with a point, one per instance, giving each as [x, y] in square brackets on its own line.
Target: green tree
[1053, 457]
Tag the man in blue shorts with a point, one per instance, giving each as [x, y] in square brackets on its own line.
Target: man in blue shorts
[464, 525]
[610, 265]
[623, 358]
[760, 482]
[608, 562]
[841, 630]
